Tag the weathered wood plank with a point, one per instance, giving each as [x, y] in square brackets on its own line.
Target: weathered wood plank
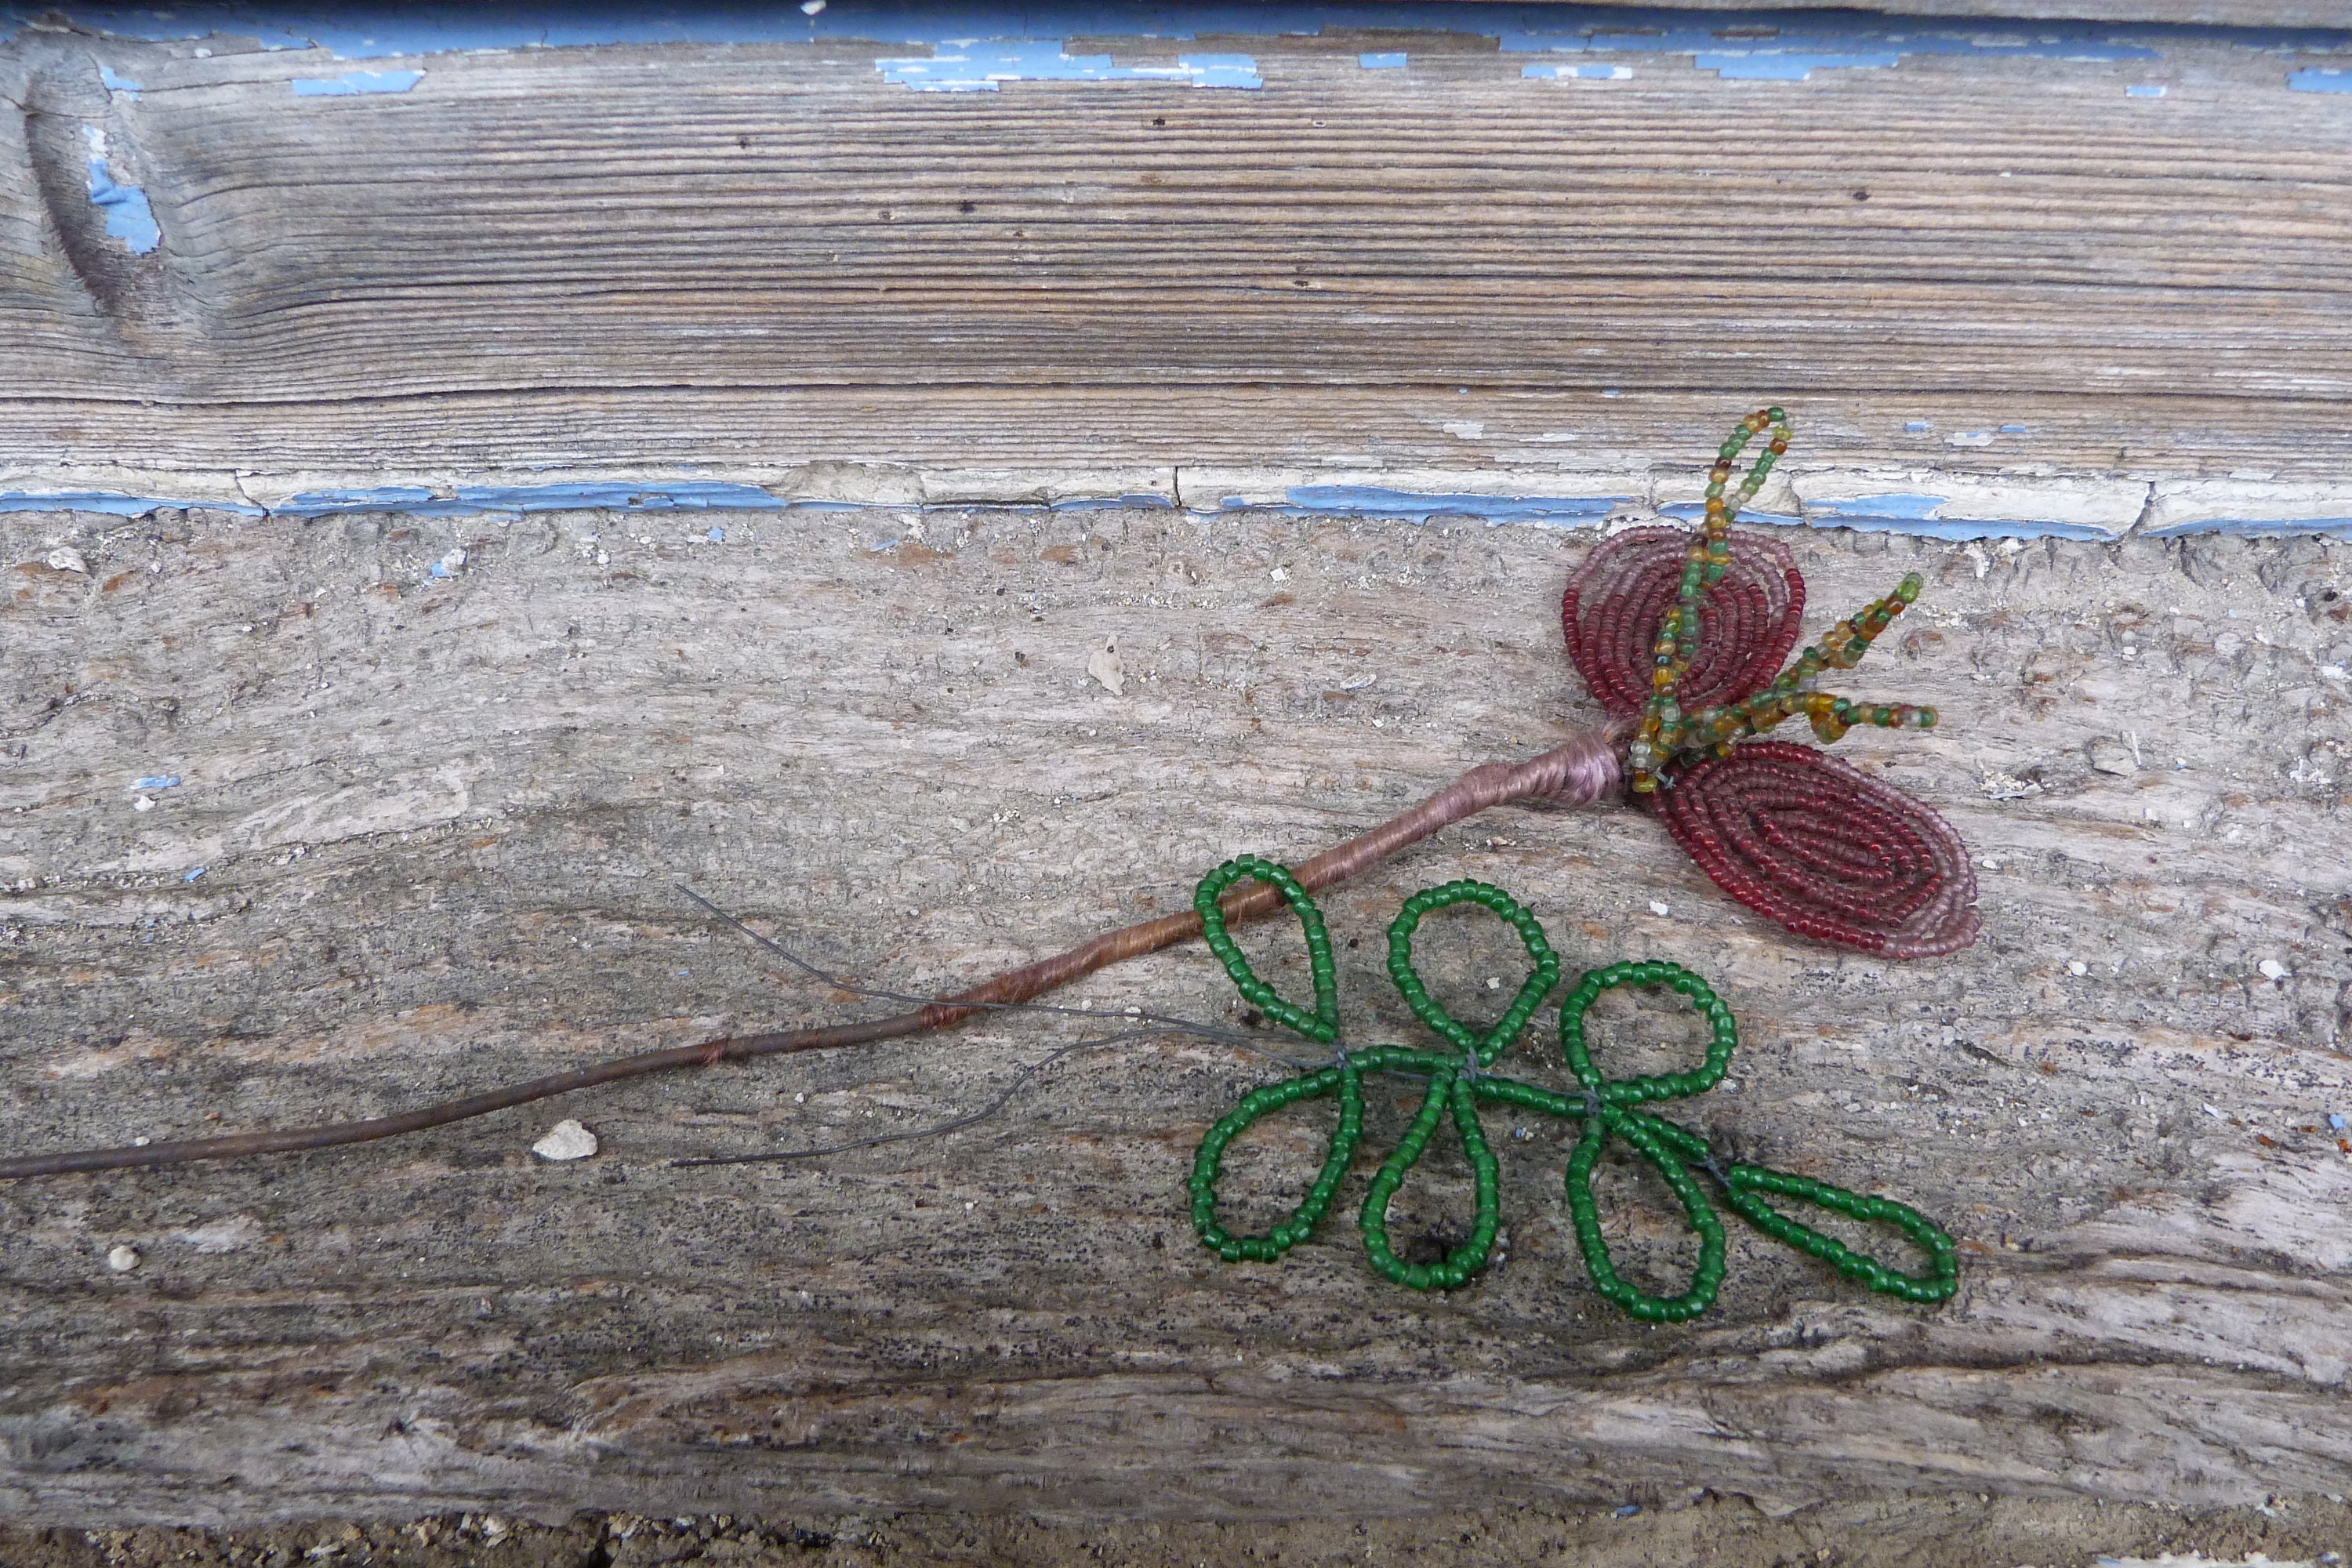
[437, 820]
[770, 262]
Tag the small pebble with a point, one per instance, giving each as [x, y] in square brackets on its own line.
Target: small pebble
[2078, 967]
[1660, 907]
[567, 1140]
[2271, 969]
[122, 1259]
[66, 558]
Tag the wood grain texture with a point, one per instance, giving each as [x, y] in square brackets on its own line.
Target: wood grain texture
[437, 821]
[768, 262]
[2200, 13]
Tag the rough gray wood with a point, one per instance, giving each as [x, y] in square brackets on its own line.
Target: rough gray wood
[768, 263]
[439, 820]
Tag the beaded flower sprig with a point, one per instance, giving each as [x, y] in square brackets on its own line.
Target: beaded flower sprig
[1682, 640]
[1458, 1080]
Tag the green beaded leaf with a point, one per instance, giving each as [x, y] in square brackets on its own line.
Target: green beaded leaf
[1743, 1183]
[1642, 1135]
[1543, 973]
[1322, 1025]
[1448, 1091]
[1723, 1039]
[1606, 1108]
[1347, 1085]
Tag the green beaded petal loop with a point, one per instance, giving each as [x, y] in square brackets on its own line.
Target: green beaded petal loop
[1543, 973]
[1724, 1040]
[1606, 1108]
[1449, 1090]
[1322, 1025]
[1742, 1183]
[1349, 1084]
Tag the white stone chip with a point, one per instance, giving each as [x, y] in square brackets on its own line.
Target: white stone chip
[66, 558]
[567, 1140]
[1105, 666]
[1660, 907]
[2271, 969]
[122, 1259]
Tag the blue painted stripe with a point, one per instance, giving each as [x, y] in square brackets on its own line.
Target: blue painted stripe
[111, 503]
[1368, 501]
[1382, 62]
[980, 67]
[1893, 513]
[1920, 515]
[2316, 80]
[364, 31]
[1578, 73]
[2253, 526]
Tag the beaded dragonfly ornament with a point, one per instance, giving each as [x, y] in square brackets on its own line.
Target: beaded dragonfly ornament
[1815, 844]
[1681, 637]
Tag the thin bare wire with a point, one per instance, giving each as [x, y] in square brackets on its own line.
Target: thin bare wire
[858, 988]
[943, 1129]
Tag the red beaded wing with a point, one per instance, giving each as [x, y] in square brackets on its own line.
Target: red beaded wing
[1826, 850]
[1748, 621]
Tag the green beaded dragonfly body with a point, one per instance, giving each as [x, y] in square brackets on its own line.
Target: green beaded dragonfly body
[1459, 1081]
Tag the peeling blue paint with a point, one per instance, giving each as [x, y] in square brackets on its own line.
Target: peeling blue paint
[109, 503]
[1793, 66]
[1368, 501]
[978, 67]
[689, 495]
[1916, 425]
[115, 83]
[1917, 514]
[1764, 45]
[1891, 513]
[1693, 512]
[1578, 73]
[354, 82]
[2260, 528]
[129, 218]
[1382, 62]
[2144, 90]
[1147, 498]
[1758, 49]
[2012, 430]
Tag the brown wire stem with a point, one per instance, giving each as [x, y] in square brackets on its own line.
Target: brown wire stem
[1584, 771]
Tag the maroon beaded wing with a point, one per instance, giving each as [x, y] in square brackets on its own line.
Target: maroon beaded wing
[1825, 849]
[1748, 621]
[1787, 830]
